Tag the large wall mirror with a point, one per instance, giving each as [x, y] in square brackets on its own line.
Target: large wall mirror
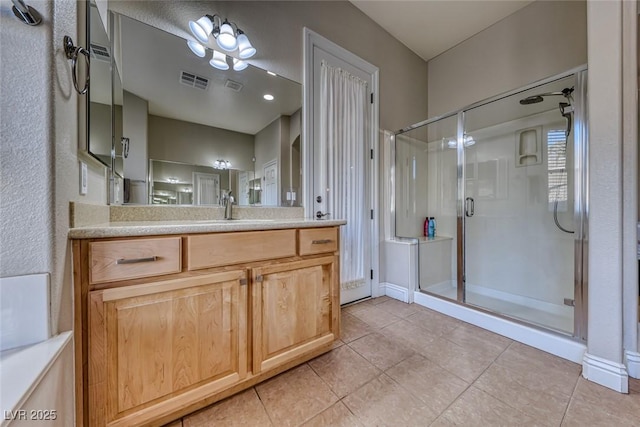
[175, 130]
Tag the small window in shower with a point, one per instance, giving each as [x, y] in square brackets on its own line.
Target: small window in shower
[557, 168]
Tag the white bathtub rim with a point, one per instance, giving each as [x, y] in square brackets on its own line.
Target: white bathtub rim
[22, 370]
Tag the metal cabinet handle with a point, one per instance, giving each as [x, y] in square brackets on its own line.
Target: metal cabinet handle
[136, 260]
[321, 242]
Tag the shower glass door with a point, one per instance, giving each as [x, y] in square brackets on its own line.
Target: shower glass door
[426, 186]
[517, 206]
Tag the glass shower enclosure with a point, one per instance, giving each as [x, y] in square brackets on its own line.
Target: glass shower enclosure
[505, 180]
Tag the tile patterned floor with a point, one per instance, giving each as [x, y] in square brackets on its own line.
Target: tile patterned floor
[405, 365]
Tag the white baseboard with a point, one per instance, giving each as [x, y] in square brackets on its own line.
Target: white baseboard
[605, 372]
[394, 291]
[556, 344]
[632, 361]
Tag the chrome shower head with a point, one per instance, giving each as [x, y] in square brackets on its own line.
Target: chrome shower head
[531, 100]
[534, 99]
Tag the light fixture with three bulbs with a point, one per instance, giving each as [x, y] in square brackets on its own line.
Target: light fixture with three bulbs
[222, 164]
[227, 38]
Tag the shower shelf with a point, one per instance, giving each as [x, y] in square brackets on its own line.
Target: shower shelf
[529, 146]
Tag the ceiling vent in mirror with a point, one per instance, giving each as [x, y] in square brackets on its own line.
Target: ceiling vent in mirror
[101, 53]
[233, 85]
[192, 80]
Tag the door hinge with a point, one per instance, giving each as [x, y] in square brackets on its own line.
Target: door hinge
[259, 278]
[243, 282]
[569, 302]
[371, 213]
[371, 274]
[372, 154]
[372, 97]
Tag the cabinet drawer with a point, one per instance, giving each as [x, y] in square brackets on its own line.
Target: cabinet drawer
[215, 250]
[130, 259]
[318, 240]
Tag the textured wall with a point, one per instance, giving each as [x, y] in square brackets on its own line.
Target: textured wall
[538, 41]
[26, 146]
[38, 150]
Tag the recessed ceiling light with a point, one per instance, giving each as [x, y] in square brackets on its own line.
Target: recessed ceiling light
[268, 97]
[271, 73]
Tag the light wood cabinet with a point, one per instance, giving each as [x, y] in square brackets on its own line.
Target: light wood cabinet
[153, 348]
[292, 310]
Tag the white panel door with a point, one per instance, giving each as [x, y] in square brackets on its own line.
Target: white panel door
[270, 184]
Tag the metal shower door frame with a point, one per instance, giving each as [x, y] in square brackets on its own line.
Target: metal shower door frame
[580, 168]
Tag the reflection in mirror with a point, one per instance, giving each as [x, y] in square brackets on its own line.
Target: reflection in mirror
[117, 122]
[177, 109]
[100, 101]
[174, 183]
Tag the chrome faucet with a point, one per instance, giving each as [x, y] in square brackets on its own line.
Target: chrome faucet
[228, 205]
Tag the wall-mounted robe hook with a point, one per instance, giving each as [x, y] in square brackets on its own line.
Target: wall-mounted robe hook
[25, 13]
[72, 53]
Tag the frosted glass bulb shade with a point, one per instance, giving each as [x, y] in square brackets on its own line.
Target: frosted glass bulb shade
[227, 39]
[201, 29]
[468, 141]
[245, 50]
[197, 48]
[239, 64]
[219, 61]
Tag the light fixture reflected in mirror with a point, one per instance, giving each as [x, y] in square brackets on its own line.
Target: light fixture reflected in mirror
[227, 38]
[219, 61]
[245, 50]
[468, 142]
[268, 97]
[222, 164]
[239, 64]
[197, 48]
[202, 28]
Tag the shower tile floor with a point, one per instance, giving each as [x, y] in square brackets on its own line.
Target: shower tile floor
[404, 365]
[557, 321]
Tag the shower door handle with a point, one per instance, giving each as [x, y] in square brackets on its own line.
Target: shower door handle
[469, 207]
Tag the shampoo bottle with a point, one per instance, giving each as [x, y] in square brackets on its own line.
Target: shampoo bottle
[431, 227]
[426, 227]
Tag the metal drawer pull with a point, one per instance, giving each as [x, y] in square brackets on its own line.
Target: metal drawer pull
[321, 242]
[136, 260]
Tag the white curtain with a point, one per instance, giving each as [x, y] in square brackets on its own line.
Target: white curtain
[344, 117]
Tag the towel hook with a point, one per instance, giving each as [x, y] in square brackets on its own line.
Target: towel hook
[25, 13]
[72, 53]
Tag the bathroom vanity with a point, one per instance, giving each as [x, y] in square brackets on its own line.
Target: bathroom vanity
[173, 316]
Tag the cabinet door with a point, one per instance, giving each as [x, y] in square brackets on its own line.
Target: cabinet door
[295, 310]
[158, 347]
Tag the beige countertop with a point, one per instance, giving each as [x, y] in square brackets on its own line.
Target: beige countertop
[149, 228]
